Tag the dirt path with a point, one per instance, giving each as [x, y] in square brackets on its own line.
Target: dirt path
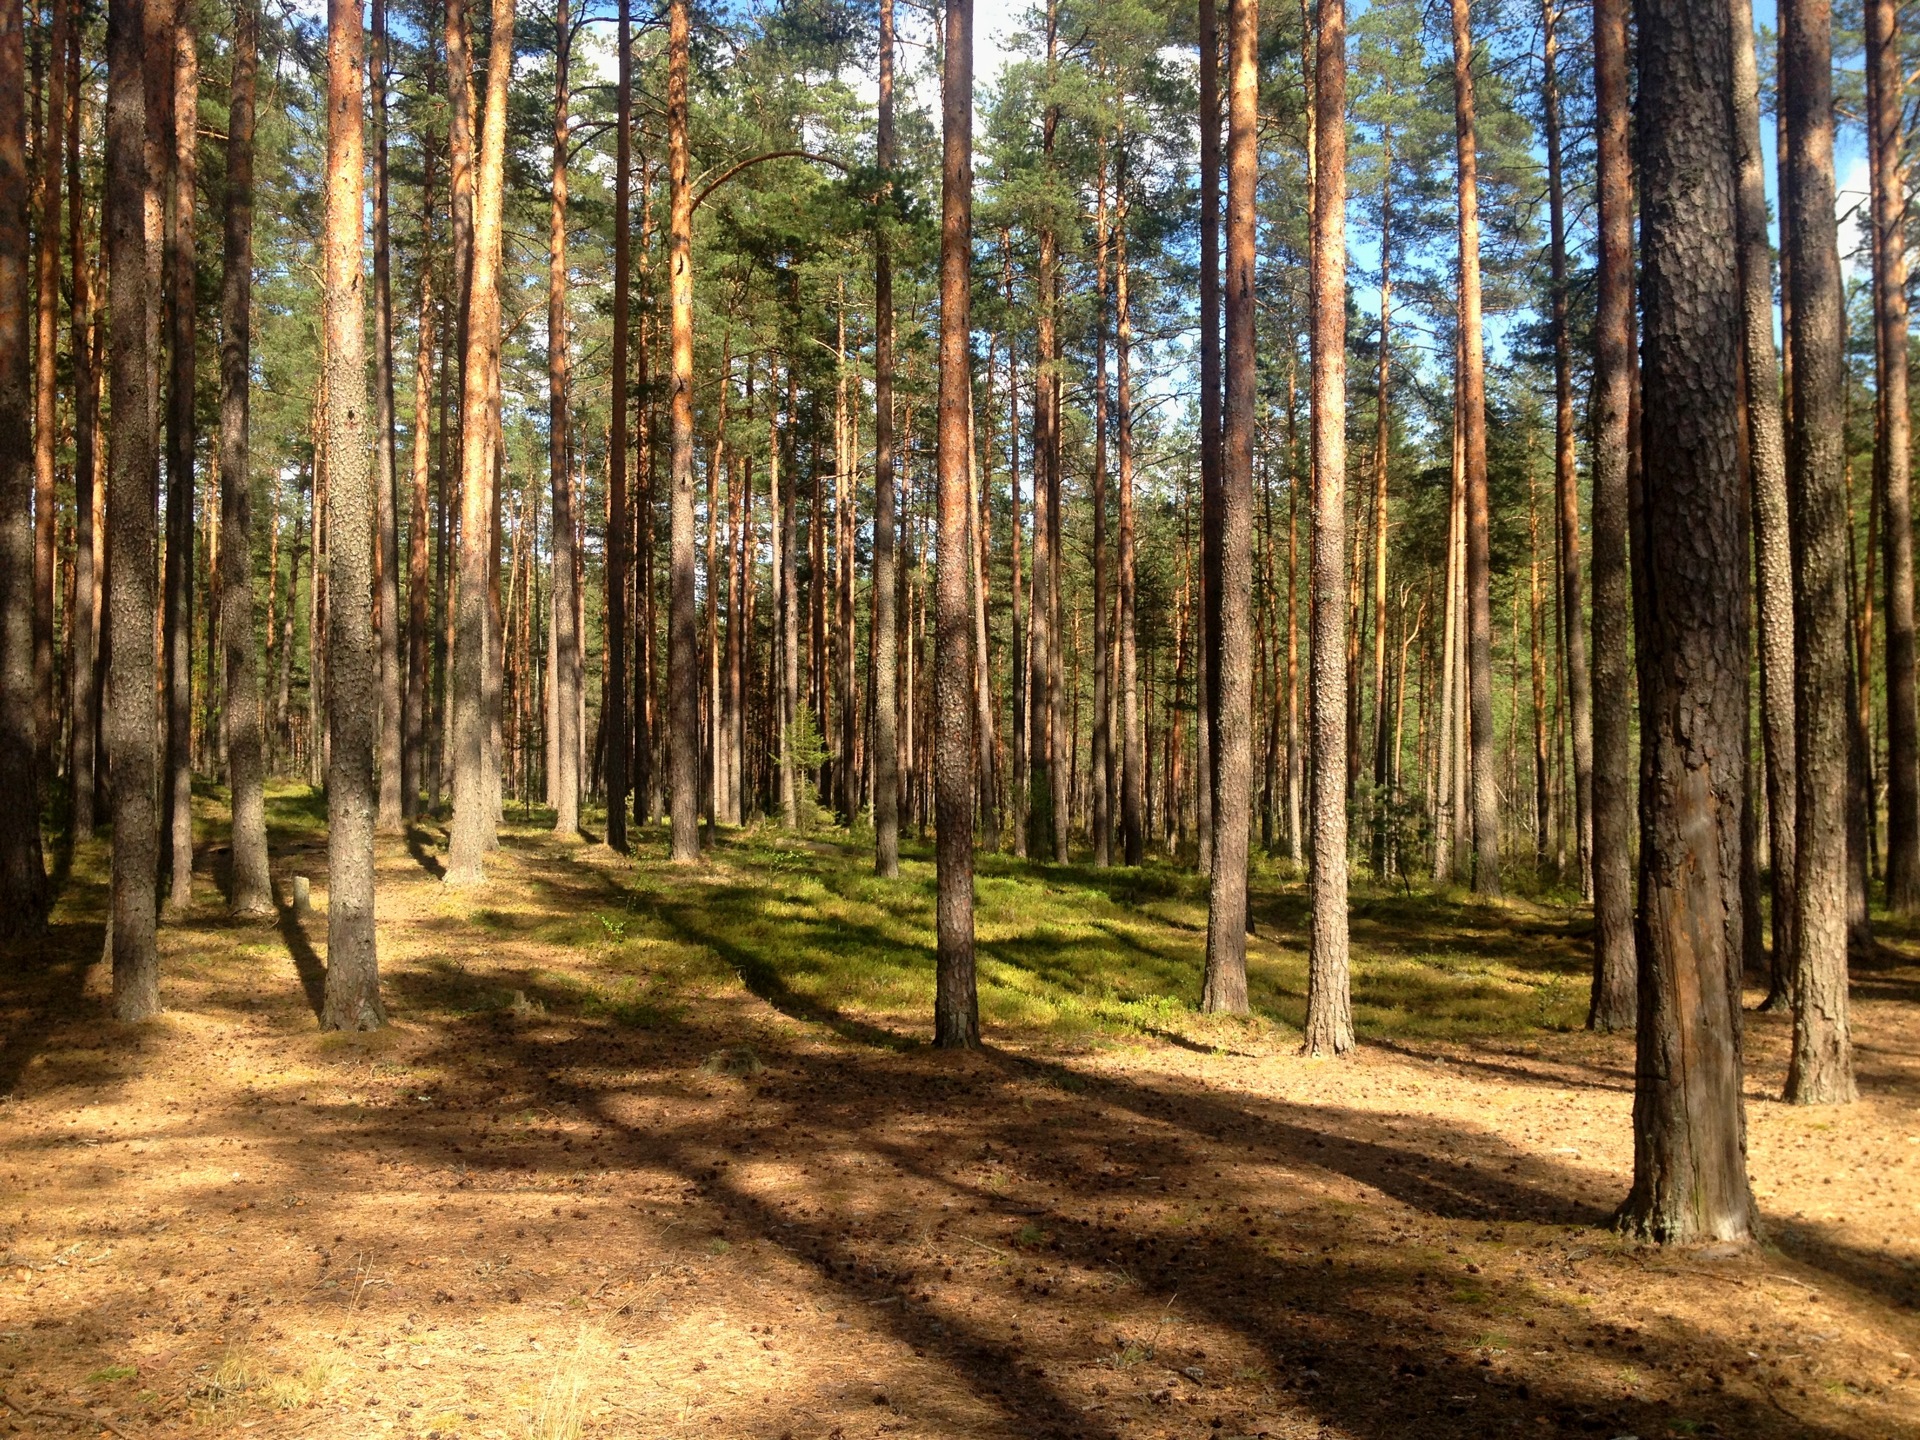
[600, 1188]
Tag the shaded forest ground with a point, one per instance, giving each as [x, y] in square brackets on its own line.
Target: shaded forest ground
[652, 1153]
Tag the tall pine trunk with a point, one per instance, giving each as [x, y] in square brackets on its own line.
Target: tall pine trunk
[475, 820]
[1132, 743]
[1821, 1069]
[1614, 964]
[386, 466]
[1767, 495]
[23, 882]
[416, 733]
[1329, 1026]
[353, 974]
[1102, 761]
[1573, 624]
[82, 691]
[884, 643]
[563, 784]
[1690, 1176]
[956, 1021]
[177, 621]
[683, 653]
[45, 397]
[251, 892]
[1892, 448]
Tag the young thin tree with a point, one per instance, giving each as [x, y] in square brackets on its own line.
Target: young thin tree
[251, 890]
[130, 721]
[1225, 987]
[1329, 1029]
[353, 965]
[613, 703]
[386, 464]
[683, 650]
[474, 817]
[1133, 744]
[956, 1006]
[1892, 447]
[1767, 487]
[1690, 1174]
[182, 333]
[884, 644]
[414, 766]
[23, 880]
[1821, 1069]
[563, 786]
[1473, 429]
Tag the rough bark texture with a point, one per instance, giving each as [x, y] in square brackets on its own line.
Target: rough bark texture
[1892, 450]
[563, 783]
[884, 643]
[1690, 1172]
[251, 892]
[177, 622]
[956, 1008]
[683, 655]
[1614, 964]
[386, 466]
[1225, 987]
[353, 972]
[1329, 1027]
[45, 395]
[129, 713]
[1821, 1069]
[1573, 619]
[83, 706]
[23, 883]
[1473, 430]
[474, 817]
[1767, 486]
[414, 765]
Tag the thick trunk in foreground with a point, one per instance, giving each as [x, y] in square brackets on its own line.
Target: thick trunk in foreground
[884, 645]
[1329, 1028]
[1767, 494]
[563, 784]
[353, 970]
[1892, 450]
[1614, 964]
[130, 721]
[956, 1007]
[1473, 431]
[683, 650]
[23, 881]
[386, 465]
[1225, 988]
[1821, 1069]
[475, 821]
[1690, 1173]
[177, 622]
[251, 892]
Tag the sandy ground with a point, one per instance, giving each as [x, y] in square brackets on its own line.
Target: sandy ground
[511, 1216]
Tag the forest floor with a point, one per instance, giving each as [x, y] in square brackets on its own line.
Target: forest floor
[660, 1152]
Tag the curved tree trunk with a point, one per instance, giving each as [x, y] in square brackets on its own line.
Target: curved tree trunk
[252, 889]
[1821, 1069]
[1690, 1174]
[1329, 1028]
[956, 1018]
[353, 972]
